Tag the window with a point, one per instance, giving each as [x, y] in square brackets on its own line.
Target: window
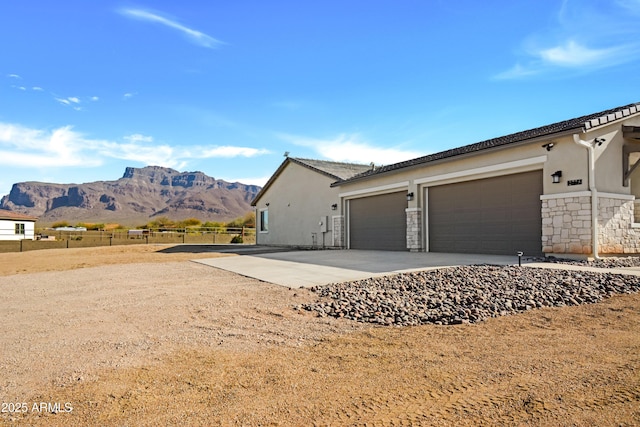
[19, 228]
[264, 220]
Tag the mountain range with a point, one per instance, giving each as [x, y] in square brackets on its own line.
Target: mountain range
[139, 196]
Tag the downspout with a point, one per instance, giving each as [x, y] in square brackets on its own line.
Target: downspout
[590, 146]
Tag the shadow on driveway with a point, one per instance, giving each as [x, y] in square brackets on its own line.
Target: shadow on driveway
[238, 249]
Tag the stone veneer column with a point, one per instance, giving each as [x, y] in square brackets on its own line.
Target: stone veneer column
[566, 224]
[414, 229]
[338, 231]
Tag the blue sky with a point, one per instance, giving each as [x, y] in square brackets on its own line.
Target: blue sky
[90, 87]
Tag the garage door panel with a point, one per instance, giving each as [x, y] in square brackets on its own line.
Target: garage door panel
[378, 222]
[498, 215]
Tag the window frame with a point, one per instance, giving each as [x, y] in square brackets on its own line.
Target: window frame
[20, 229]
[264, 215]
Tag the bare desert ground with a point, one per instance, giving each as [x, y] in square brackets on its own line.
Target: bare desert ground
[133, 336]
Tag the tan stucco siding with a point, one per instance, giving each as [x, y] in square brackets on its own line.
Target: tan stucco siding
[490, 163]
[297, 201]
[609, 174]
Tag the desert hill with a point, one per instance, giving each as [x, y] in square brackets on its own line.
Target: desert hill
[140, 195]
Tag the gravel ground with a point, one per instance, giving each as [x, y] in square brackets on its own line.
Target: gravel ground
[467, 294]
[137, 336]
[613, 262]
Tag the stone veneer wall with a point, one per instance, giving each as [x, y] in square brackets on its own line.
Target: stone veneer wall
[338, 231]
[414, 235]
[617, 234]
[566, 225]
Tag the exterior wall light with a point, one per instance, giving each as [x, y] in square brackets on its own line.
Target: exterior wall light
[334, 206]
[556, 177]
[548, 145]
[409, 197]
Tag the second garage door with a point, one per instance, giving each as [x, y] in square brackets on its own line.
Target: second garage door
[378, 222]
[498, 215]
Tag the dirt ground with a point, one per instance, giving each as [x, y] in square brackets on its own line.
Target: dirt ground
[133, 336]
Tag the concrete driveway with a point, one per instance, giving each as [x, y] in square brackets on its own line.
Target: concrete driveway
[312, 268]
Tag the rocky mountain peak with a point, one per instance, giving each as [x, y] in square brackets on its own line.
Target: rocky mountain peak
[139, 195]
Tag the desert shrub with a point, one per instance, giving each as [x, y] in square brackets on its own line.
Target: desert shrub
[190, 222]
[161, 222]
[249, 220]
[237, 239]
[214, 224]
[60, 224]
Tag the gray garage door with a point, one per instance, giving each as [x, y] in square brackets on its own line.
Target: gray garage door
[379, 222]
[493, 216]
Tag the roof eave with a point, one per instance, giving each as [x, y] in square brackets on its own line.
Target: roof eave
[486, 150]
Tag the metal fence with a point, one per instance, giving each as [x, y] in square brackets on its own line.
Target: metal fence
[52, 239]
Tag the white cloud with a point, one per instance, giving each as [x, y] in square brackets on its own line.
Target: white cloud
[136, 137]
[573, 54]
[128, 95]
[195, 36]
[583, 38]
[259, 181]
[350, 148]
[228, 151]
[95, 98]
[14, 76]
[37, 88]
[148, 154]
[71, 101]
[62, 147]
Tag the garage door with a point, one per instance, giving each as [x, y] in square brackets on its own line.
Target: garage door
[378, 222]
[493, 216]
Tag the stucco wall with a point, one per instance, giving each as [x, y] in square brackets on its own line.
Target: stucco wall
[297, 201]
[7, 230]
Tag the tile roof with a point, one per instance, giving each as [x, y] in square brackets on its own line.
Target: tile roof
[334, 170]
[5, 214]
[578, 124]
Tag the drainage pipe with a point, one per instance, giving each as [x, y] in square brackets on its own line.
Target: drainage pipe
[591, 148]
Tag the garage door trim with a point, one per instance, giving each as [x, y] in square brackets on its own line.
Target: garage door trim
[508, 168]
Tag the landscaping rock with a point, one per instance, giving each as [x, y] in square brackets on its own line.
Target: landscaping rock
[461, 295]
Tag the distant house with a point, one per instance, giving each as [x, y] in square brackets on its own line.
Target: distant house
[566, 189]
[16, 226]
[70, 229]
